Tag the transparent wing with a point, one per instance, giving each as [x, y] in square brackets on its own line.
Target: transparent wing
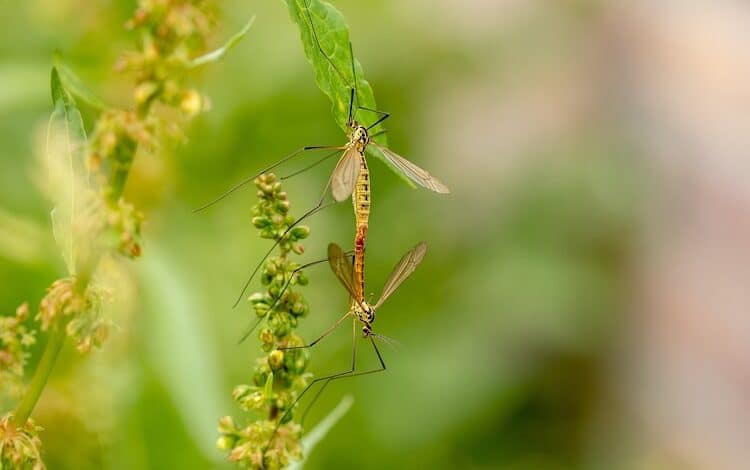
[403, 269]
[345, 175]
[341, 267]
[413, 172]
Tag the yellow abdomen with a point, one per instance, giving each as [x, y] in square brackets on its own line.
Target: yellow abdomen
[361, 201]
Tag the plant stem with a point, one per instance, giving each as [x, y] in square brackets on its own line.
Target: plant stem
[41, 374]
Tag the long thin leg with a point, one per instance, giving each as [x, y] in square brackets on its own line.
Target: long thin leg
[288, 282]
[286, 177]
[304, 391]
[323, 335]
[325, 384]
[250, 330]
[291, 277]
[265, 170]
[318, 207]
[383, 116]
[332, 377]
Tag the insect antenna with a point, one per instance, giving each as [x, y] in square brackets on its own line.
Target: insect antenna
[394, 344]
[318, 207]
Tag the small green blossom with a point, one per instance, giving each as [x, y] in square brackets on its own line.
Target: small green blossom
[281, 375]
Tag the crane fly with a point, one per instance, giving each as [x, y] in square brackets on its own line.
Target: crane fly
[350, 176]
[361, 311]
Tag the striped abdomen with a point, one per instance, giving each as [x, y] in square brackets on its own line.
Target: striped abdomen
[361, 201]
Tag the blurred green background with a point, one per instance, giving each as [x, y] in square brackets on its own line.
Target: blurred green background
[507, 328]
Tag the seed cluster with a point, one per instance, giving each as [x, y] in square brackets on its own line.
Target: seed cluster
[279, 376]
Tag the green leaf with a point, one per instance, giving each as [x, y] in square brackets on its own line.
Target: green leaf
[317, 434]
[75, 85]
[68, 177]
[219, 53]
[325, 39]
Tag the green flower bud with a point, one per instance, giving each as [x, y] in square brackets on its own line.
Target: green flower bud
[298, 308]
[282, 206]
[261, 309]
[276, 359]
[300, 233]
[261, 222]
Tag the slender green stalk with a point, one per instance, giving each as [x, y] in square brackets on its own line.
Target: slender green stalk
[41, 374]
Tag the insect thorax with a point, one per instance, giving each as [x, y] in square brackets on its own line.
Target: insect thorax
[360, 137]
[367, 315]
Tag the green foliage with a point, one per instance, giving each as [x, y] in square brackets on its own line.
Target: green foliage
[75, 85]
[66, 147]
[218, 54]
[325, 39]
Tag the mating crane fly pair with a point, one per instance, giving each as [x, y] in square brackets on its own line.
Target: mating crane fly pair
[350, 178]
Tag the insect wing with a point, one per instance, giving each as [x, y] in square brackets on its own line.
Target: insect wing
[345, 174]
[341, 267]
[413, 172]
[403, 269]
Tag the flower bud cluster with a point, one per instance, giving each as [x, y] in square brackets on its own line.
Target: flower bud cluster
[173, 32]
[280, 375]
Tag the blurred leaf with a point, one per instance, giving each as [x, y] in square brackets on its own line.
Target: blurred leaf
[75, 85]
[219, 53]
[66, 143]
[180, 348]
[317, 434]
[325, 38]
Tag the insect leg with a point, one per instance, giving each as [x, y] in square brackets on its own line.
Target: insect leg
[383, 116]
[317, 208]
[320, 379]
[323, 335]
[325, 384]
[335, 152]
[265, 170]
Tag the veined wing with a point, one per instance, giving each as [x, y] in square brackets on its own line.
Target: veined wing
[413, 172]
[342, 268]
[345, 174]
[403, 269]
